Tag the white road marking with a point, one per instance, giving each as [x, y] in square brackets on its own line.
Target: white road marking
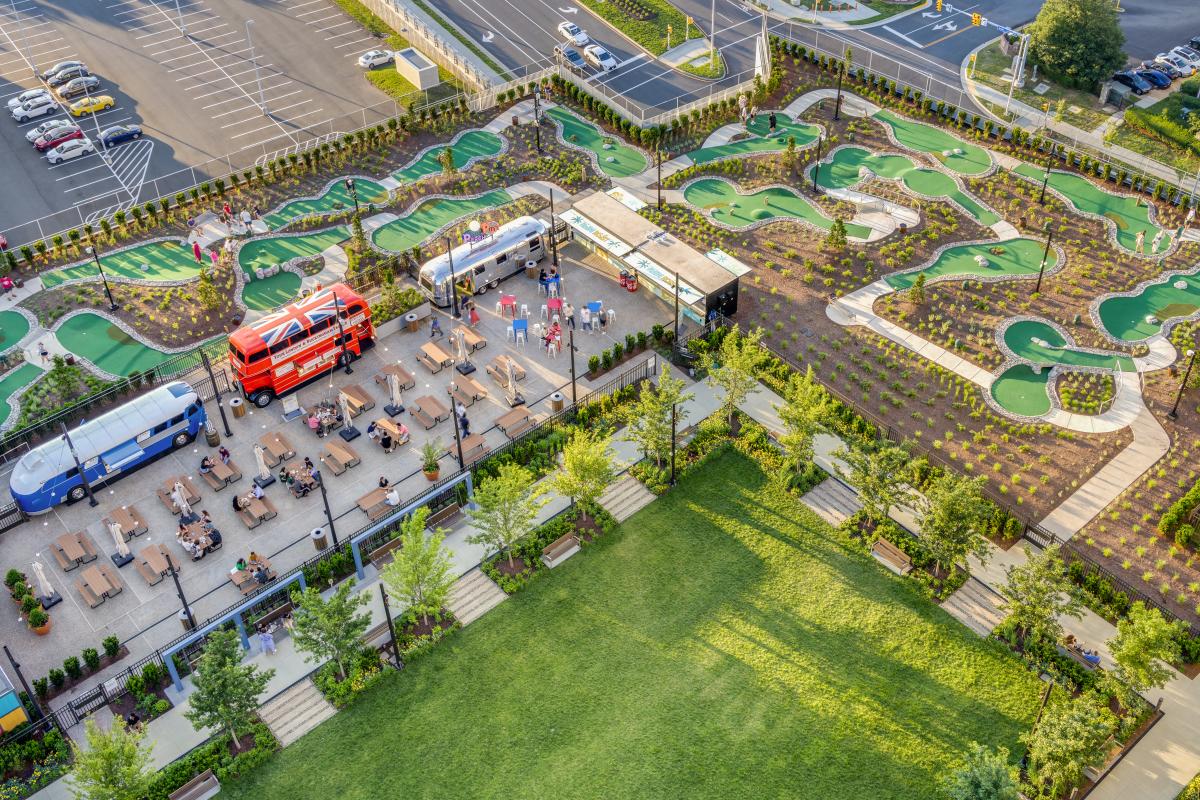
[900, 35]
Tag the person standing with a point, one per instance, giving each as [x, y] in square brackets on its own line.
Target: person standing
[267, 640]
[569, 315]
[771, 122]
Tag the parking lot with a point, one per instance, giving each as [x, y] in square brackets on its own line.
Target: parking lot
[198, 97]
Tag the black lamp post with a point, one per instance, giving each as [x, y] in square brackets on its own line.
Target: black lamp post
[112, 304]
[817, 164]
[837, 104]
[387, 614]
[673, 444]
[462, 463]
[87, 487]
[1045, 180]
[553, 237]
[353, 194]
[658, 152]
[179, 591]
[453, 282]
[216, 391]
[325, 500]
[1191, 354]
[537, 117]
[344, 356]
[571, 347]
[1045, 255]
[37, 709]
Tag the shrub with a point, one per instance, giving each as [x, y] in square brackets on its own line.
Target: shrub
[91, 658]
[594, 364]
[152, 674]
[135, 685]
[41, 687]
[58, 678]
[111, 645]
[72, 668]
[606, 359]
[1185, 534]
[617, 352]
[13, 577]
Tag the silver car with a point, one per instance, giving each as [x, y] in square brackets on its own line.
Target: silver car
[35, 133]
[25, 97]
[39, 106]
[78, 87]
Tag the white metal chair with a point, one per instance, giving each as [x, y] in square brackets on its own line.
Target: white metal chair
[537, 329]
[552, 349]
[499, 308]
[525, 310]
[545, 311]
[511, 335]
[612, 314]
[521, 340]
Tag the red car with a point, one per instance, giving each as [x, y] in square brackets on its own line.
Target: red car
[56, 137]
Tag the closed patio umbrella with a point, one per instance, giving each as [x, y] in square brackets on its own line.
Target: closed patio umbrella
[394, 390]
[344, 402]
[179, 496]
[39, 575]
[118, 538]
[260, 460]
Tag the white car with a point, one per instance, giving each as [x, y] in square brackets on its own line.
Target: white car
[1177, 62]
[37, 107]
[72, 149]
[375, 58]
[573, 34]
[600, 58]
[25, 97]
[35, 133]
[1187, 54]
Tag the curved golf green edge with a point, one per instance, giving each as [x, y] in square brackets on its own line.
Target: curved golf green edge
[106, 345]
[472, 144]
[1022, 391]
[13, 328]
[735, 209]
[166, 261]
[1127, 214]
[268, 293]
[13, 382]
[1125, 317]
[336, 197]
[1019, 338]
[626, 161]
[1020, 257]
[760, 142]
[923, 138]
[427, 218]
[842, 172]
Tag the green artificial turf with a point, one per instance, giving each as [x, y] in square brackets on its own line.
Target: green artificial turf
[722, 643]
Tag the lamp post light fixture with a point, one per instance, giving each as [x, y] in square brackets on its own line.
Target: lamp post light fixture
[179, 591]
[1191, 354]
[537, 116]
[553, 232]
[353, 193]
[817, 163]
[325, 500]
[837, 104]
[1045, 256]
[94, 252]
[87, 486]
[1045, 180]
[454, 312]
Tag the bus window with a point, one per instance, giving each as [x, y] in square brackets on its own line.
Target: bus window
[258, 356]
[322, 325]
[500, 259]
[279, 347]
[237, 354]
[357, 307]
[192, 409]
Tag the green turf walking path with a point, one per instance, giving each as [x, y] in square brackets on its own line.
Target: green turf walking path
[625, 160]
[335, 198]
[409, 231]
[107, 346]
[13, 328]
[1043, 344]
[1023, 391]
[923, 138]
[1125, 318]
[731, 207]
[761, 141]
[472, 144]
[1130, 216]
[1019, 257]
[267, 293]
[167, 261]
[14, 381]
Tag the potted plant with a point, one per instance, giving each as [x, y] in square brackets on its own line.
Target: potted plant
[431, 452]
[19, 590]
[13, 577]
[39, 621]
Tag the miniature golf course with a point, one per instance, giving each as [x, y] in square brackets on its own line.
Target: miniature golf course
[730, 207]
[336, 197]
[973, 160]
[1042, 344]
[760, 142]
[1126, 213]
[1132, 319]
[468, 146]
[1022, 391]
[13, 327]
[94, 338]
[1016, 257]
[429, 217]
[162, 261]
[15, 380]
[262, 294]
[616, 159]
[850, 166]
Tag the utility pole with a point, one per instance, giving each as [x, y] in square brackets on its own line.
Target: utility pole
[1191, 354]
[262, 100]
[325, 500]
[87, 487]
[37, 709]
[553, 232]
[112, 304]
[571, 345]
[179, 590]
[216, 392]
[1045, 255]
[658, 151]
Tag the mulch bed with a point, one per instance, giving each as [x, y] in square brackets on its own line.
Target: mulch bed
[105, 662]
[126, 703]
[422, 628]
[518, 566]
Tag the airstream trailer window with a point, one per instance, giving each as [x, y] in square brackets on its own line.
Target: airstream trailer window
[500, 259]
[534, 242]
[479, 269]
[427, 282]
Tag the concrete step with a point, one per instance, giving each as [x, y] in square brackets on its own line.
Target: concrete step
[474, 595]
[976, 606]
[625, 498]
[296, 711]
[832, 500]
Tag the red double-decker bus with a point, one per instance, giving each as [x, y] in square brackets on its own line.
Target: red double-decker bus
[292, 346]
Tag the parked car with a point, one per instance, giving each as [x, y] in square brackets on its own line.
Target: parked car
[52, 139]
[79, 87]
[375, 58]
[1188, 54]
[1184, 67]
[1194, 42]
[600, 58]
[1156, 79]
[65, 75]
[111, 137]
[1170, 70]
[573, 34]
[37, 107]
[91, 105]
[35, 133]
[569, 57]
[59, 67]
[25, 97]
[3, 242]
[68, 150]
[1131, 80]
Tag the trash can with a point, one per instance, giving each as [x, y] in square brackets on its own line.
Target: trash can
[184, 621]
[318, 539]
[411, 322]
[239, 407]
[556, 402]
[531, 269]
[210, 433]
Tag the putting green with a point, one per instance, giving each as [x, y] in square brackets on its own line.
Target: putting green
[262, 294]
[107, 346]
[336, 197]
[409, 231]
[164, 261]
[1126, 318]
[1022, 391]
[472, 144]
[1019, 257]
[616, 159]
[973, 160]
[845, 170]
[730, 207]
[1042, 344]
[1129, 216]
[760, 142]
[13, 327]
[15, 380]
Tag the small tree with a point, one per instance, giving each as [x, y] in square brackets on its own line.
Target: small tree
[206, 291]
[836, 238]
[952, 517]
[1037, 593]
[648, 420]
[330, 630]
[420, 574]
[986, 775]
[790, 156]
[732, 368]
[506, 506]
[805, 409]
[1067, 740]
[881, 475]
[1077, 42]
[587, 469]
[1145, 639]
[227, 691]
[916, 292]
[358, 236]
[113, 766]
[446, 159]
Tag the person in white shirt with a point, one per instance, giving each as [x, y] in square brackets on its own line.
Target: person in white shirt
[393, 497]
[258, 492]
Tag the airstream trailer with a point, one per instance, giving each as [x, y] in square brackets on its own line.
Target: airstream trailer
[109, 447]
[481, 265]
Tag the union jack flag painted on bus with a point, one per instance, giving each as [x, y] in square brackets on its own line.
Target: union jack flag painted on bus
[281, 324]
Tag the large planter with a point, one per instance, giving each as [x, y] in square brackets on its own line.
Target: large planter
[432, 475]
[42, 631]
[397, 324]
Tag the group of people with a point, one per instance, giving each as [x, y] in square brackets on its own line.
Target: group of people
[198, 546]
[241, 502]
[553, 335]
[385, 438]
[206, 463]
[322, 419]
[239, 222]
[256, 566]
[302, 480]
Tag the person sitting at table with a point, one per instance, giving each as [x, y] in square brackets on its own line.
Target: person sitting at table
[240, 565]
[257, 491]
[193, 550]
[240, 503]
[224, 454]
[261, 577]
[392, 498]
[183, 530]
[308, 463]
[373, 431]
[206, 520]
[1092, 657]
[386, 442]
[542, 276]
[255, 557]
[403, 433]
[214, 539]
[314, 423]
[383, 482]
[206, 465]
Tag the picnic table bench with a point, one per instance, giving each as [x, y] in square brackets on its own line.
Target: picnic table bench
[433, 357]
[73, 549]
[516, 422]
[154, 562]
[383, 554]
[471, 337]
[399, 435]
[460, 394]
[339, 456]
[560, 550]
[276, 448]
[201, 787]
[891, 557]
[221, 475]
[97, 583]
[498, 369]
[191, 495]
[358, 399]
[428, 411]
[244, 580]
[407, 379]
[254, 511]
[130, 519]
[374, 503]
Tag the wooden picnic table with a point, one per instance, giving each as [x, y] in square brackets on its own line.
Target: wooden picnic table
[407, 379]
[101, 581]
[277, 447]
[374, 503]
[434, 357]
[358, 399]
[130, 519]
[469, 384]
[516, 422]
[157, 559]
[70, 545]
[398, 432]
[243, 579]
[471, 337]
[498, 369]
[226, 472]
[190, 494]
[474, 447]
[433, 407]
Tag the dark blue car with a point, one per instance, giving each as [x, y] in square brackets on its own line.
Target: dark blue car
[111, 137]
[1154, 77]
[1136, 85]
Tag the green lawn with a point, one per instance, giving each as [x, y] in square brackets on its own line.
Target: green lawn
[722, 643]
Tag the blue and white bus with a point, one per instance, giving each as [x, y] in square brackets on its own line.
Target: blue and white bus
[109, 447]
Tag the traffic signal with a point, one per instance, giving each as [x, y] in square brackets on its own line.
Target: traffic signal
[939, 6]
[977, 19]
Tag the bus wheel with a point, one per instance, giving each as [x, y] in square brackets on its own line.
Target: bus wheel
[493, 284]
[262, 398]
[483, 289]
[181, 439]
[76, 494]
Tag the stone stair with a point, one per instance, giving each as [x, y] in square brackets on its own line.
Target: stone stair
[976, 606]
[474, 595]
[833, 501]
[625, 498]
[296, 711]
